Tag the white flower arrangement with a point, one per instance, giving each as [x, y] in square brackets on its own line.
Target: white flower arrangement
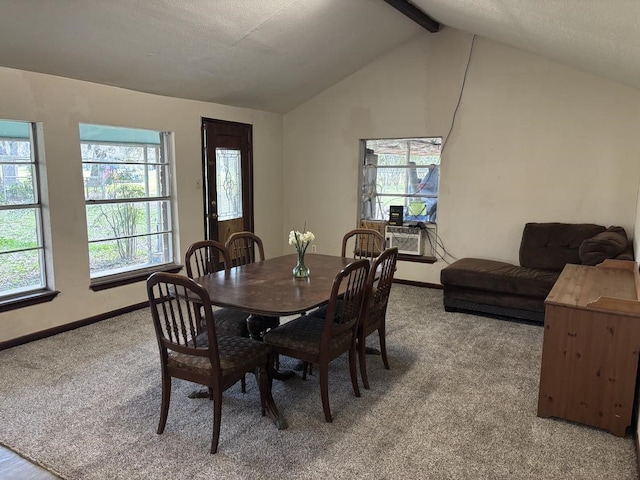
[301, 240]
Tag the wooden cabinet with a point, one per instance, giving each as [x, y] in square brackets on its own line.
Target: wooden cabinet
[591, 344]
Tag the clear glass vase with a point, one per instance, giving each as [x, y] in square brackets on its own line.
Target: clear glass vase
[301, 270]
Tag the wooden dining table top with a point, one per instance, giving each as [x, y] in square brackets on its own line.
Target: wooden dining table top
[269, 287]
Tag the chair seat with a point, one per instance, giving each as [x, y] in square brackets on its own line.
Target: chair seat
[236, 353]
[321, 311]
[231, 322]
[304, 333]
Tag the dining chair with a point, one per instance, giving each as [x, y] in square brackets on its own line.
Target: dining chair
[320, 340]
[246, 247]
[242, 248]
[363, 243]
[373, 238]
[359, 243]
[207, 357]
[208, 256]
[374, 308]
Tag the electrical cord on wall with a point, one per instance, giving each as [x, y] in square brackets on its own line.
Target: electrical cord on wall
[437, 243]
[455, 111]
[438, 240]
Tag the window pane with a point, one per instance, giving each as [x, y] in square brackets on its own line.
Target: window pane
[23, 232]
[228, 184]
[107, 153]
[416, 182]
[115, 256]
[115, 220]
[107, 181]
[17, 150]
[17, 176]
[19, 272]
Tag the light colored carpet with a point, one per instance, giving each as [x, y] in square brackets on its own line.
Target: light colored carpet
[459, 402]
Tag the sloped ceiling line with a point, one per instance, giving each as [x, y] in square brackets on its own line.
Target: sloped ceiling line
[414, 13]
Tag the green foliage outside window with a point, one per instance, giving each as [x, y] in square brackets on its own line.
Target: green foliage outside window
[17, 193]
[123, 218]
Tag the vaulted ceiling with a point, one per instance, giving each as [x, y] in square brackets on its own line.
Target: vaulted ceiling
[275, 54]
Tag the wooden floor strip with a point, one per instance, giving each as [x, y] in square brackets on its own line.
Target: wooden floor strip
[15, 467]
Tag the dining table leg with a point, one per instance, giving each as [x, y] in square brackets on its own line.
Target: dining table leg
[271, 410]
[258, 324]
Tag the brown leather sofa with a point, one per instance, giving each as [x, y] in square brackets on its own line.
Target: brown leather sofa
[518, 291]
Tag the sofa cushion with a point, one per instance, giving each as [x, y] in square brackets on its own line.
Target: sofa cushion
[608, 244]
[550, 246]
[494, 276]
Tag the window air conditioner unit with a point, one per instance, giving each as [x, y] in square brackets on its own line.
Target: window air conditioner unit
[409, 240]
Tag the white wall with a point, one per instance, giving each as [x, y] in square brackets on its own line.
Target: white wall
[532, 141]
[60, 104]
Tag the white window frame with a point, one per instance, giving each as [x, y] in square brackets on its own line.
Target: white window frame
[20, 293]
[165, 161]
[371, 194]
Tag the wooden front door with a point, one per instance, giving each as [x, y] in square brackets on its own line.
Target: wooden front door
[227, 178]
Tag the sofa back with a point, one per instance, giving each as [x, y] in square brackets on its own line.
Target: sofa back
[550, 246]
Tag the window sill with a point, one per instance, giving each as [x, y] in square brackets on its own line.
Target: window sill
[127, 278]
[416, 258]
[28, 299]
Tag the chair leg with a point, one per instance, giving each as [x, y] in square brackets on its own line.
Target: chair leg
[263, 384]
[243, 384]
[362, 356]
[217, 417]
[307, 368]
[383, 346]
[166, 398]
[324, 391]
[353, 370]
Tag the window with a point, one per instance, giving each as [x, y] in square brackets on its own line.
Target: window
[128, 198]
[22, 259]
[401, 172]
[229, 183]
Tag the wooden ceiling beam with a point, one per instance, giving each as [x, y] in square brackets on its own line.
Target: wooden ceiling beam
[415, 14]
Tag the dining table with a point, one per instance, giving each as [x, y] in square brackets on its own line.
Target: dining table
[268, 290]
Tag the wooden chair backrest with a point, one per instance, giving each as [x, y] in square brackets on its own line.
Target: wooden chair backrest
[242, 248]
[367, 243]
[347, 296]
[175, 302]
[379, 285]
[206, 256]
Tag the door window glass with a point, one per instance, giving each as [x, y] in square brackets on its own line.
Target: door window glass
[228, 184]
